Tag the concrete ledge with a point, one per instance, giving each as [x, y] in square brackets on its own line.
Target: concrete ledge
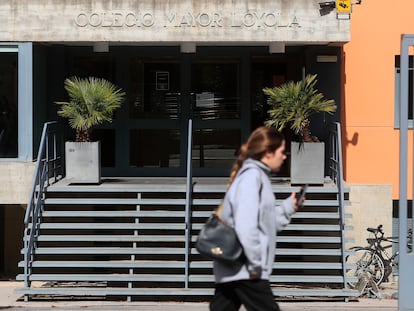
[16, 181]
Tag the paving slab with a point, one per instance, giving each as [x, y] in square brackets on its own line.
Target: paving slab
[9, 300]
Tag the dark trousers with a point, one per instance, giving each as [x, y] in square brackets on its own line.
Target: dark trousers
[255, 295]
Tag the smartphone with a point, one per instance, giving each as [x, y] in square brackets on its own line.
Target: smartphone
[300, 196]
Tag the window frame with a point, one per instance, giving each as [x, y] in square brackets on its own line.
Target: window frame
[24, 52]
[397, 84]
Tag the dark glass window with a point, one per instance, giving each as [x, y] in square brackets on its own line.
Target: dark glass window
[155, 90]
[215, 148]
[99, 67]
[215, 87]
[154, 148]
[8, 106]
[410, 85]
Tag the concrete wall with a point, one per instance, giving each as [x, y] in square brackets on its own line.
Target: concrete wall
[16, 181]
[371, 205]
[170, 21]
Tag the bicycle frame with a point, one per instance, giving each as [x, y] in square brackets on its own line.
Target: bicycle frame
[375, 244]
[373, 264]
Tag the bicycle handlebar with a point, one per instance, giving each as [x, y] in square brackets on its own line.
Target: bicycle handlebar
[379, 237]
[376, 230]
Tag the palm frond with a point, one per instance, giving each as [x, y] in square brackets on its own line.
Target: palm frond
[92, 101]
[293, 103]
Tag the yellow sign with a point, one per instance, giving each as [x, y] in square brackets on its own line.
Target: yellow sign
[343, 6]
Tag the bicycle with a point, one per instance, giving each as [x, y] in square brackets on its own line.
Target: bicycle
[373, 264]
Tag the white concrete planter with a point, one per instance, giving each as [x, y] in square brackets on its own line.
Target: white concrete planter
[83, 162]
[307, 163]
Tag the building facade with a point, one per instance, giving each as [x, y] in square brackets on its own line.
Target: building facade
[370, 115]
[205, 61]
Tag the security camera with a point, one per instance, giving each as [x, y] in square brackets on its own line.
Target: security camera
[327, 5]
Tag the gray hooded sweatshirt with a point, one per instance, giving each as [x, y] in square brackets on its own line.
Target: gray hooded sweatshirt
[249, 206]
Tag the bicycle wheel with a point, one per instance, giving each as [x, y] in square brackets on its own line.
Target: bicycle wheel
[365, 263]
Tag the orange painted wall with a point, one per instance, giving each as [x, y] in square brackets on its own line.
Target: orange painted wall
[371, 144]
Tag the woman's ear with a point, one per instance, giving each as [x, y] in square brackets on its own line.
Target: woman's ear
[266, 157]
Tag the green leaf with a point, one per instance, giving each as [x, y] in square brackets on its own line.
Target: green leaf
[293, 103]
[92, 101]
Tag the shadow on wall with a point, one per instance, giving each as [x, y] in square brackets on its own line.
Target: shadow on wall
[354, 139]
[345, 142]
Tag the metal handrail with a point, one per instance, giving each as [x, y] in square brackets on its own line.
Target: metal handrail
[49, 169]
[189, 190]
[336, 173]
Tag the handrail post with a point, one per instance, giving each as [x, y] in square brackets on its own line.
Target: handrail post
[41, 179]
[340, 184]
[189, 189]
[30, 207]
[335, 166]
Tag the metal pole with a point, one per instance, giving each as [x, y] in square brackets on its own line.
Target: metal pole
[340, 185]
[188, 201]
[406, 273]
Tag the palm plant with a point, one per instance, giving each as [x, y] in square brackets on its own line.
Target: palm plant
[293, 103]
[92, 102]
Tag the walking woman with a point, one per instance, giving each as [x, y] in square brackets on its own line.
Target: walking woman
[249, 206]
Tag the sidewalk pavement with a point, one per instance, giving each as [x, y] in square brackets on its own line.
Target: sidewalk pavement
[11, 301]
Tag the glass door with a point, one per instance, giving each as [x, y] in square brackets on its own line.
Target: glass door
[163, 95]
[216, 111]
[155, 117]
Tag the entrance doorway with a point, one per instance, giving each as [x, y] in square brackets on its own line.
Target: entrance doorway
[218, 88]
[164, 94]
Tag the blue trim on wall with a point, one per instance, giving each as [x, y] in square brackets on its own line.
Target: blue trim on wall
[25, 94]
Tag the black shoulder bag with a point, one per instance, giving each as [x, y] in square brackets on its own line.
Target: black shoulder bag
[217, 240]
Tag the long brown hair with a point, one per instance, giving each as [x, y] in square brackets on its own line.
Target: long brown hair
[260, 141]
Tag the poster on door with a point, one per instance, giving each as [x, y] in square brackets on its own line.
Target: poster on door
[162, 80]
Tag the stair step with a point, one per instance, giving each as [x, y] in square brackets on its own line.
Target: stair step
[297, 227]
[164, 264]
[171, 238]
[112, 238]
[106, 277]
[107, 250]
[107, 291]
[285, 279]
[164, 226]
[166, 213]
[308, 252]
[170, 278]
[116, 291]
[126, 201]
[308, 265]
[159, 250]
[127, 264]
[121, 214]
[158, 201]
[111, 226]
[177, 184]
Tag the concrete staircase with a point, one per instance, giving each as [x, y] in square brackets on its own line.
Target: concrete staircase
[132, 237]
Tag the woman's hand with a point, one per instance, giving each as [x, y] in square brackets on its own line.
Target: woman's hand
[296, 203]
